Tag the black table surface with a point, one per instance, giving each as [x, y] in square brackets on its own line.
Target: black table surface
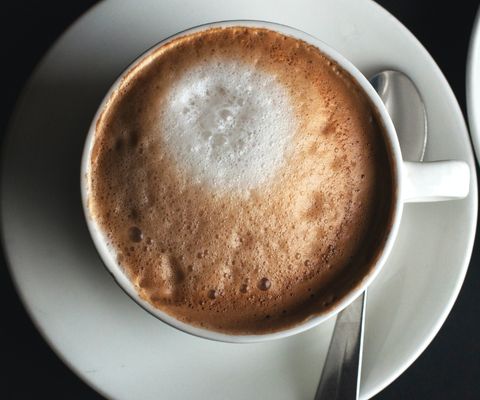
[449, 368]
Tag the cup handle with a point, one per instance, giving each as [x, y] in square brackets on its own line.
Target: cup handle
[435, 181]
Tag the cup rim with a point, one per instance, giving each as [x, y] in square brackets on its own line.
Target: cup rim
[106, 252]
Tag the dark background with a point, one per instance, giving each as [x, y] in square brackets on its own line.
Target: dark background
[449, 368]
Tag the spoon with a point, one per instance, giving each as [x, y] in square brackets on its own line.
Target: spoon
[340, 378]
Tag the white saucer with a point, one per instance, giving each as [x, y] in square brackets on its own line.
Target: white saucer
[473, 84]
[113, 344]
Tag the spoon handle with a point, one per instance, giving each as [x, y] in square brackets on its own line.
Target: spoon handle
[341, 373]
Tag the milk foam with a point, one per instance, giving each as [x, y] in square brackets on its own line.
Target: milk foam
[228, 124]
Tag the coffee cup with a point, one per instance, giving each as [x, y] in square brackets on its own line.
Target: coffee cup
[410, 182]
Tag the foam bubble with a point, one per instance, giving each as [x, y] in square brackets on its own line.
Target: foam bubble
[228, 124]
[135, 234]
[264, 284]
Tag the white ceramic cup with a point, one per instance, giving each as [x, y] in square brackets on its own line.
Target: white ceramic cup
[413, 182]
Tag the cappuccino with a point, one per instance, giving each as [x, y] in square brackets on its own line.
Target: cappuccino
[241, 178]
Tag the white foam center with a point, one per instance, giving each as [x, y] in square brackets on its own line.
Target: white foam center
[228, 124]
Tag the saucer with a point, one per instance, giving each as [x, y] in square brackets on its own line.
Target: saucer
[99, 332]
[473, 84]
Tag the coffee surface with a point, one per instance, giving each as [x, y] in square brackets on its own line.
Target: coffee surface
[242, 180]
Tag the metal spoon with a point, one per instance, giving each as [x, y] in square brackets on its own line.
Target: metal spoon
[407, 110]
[340, 378]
